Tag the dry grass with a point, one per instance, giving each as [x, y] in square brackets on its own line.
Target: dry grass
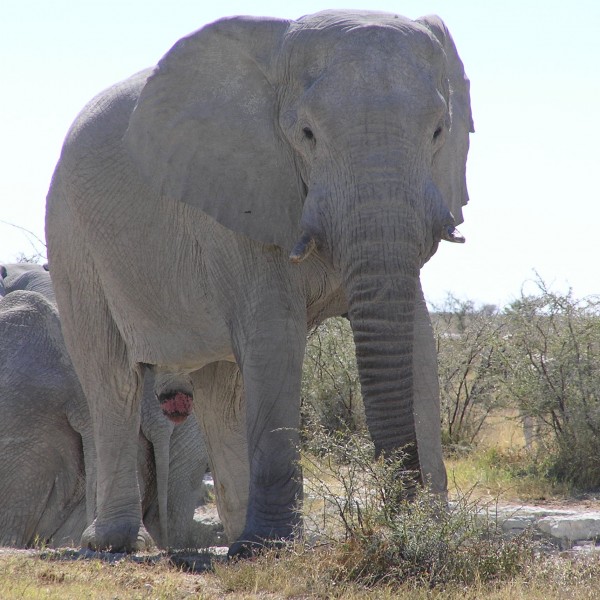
[502, 430]
[500, 468]
[501, 475]
[306, 574]
[294, 574]
[52, 576]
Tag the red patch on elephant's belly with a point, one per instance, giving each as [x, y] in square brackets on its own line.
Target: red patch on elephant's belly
[177, 407]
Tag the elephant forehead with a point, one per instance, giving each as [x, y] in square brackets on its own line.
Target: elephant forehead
[365, 83]
[351, 19]
[371, 41]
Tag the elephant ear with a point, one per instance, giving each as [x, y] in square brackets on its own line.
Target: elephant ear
[205, 130]
[450, 162]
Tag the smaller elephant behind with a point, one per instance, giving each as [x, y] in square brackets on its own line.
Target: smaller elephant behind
[172, 461]
[45, 432]
[46, 441]
[26, 276]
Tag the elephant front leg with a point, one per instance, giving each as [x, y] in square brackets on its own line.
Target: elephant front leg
[427, 401]
[271, 364]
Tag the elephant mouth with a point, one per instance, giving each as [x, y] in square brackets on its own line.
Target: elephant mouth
[176, 406]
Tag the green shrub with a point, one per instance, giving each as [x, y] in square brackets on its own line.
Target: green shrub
[552, 366]
[331, 394]
[540, 356]
[467, 341]
[378, 537]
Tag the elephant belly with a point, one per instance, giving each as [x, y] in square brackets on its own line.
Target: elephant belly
[184, 345]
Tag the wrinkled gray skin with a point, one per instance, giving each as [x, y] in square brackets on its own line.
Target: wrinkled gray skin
[176, 458]
[220, 410]
[266, 175]
[46, 440]
[26, 276]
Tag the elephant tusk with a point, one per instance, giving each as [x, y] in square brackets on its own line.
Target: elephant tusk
[304, 246]
[451, 234]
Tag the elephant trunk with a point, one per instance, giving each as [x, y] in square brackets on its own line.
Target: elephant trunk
[381, 312]
[380, 263]
[161, 459]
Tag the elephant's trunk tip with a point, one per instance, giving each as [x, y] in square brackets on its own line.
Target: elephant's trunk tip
[304, 246]
[176, 406]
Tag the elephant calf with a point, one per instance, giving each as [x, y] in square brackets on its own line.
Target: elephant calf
[48, 469]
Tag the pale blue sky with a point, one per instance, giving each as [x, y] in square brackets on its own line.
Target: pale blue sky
[534, 164]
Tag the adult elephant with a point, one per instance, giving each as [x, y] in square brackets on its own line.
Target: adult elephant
[266, 175]
[47, 475]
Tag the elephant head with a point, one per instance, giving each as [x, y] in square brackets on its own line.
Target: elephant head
[349, 133]
[26, 276]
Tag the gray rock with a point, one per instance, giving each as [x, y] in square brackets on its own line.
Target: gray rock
[564, 528]
[569, 529]
[207, 528]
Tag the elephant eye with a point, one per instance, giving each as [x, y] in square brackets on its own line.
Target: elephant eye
[308, 133]
[437, 132]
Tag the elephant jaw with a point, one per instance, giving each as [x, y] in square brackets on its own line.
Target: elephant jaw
[176, 406]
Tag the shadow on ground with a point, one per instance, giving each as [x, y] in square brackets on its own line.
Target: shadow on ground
[193, 561]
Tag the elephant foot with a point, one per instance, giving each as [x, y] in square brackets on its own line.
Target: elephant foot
[116, 538]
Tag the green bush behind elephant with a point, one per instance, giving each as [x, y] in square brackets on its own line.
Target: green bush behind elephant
[48, 457]
[266, 175]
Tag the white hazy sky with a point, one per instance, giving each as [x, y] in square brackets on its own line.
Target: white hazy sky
[534, 164]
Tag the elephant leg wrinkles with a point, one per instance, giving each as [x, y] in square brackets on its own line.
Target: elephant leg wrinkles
[113, 389]
[220, 410]
[270, 354]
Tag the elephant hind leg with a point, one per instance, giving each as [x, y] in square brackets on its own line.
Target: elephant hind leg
[115, 412]
[221, 414]
[21, 508]
[112, 384]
